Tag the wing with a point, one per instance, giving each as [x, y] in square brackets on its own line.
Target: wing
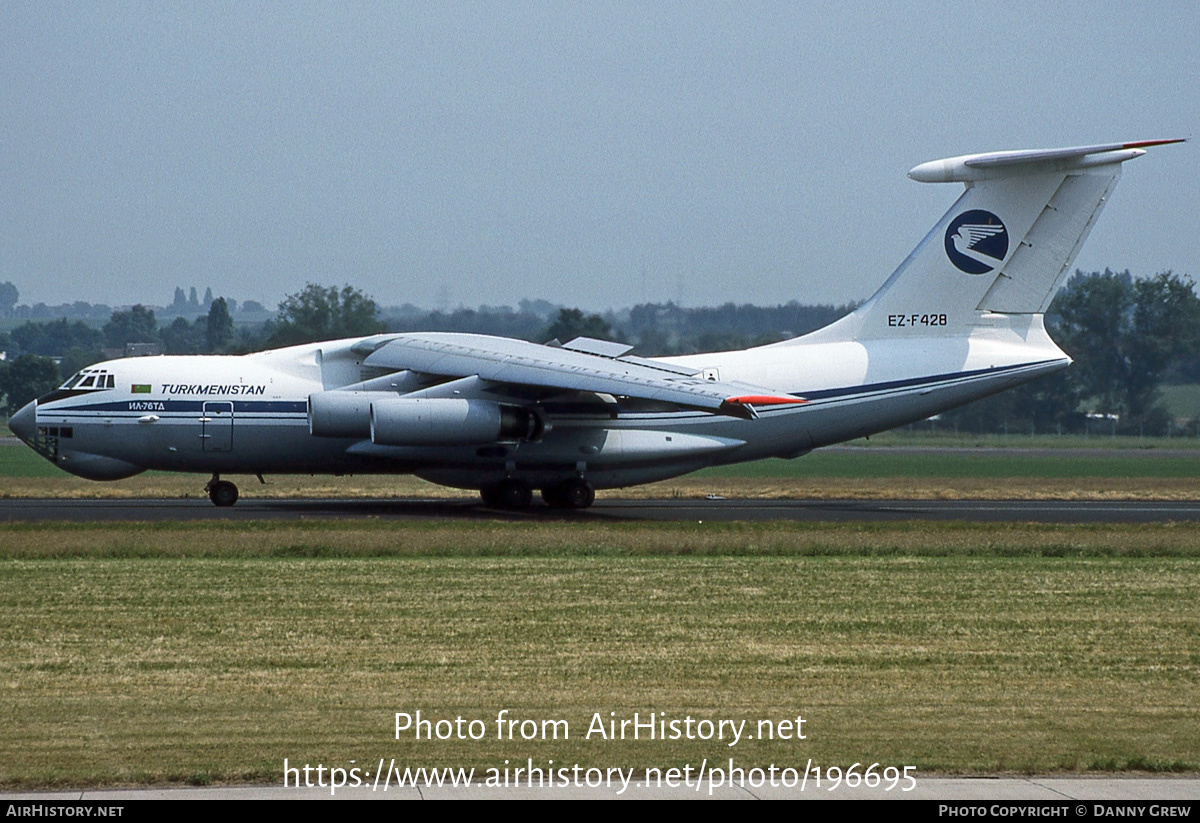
[552, 369]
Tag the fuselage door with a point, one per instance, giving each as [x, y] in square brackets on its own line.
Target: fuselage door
[216, 427]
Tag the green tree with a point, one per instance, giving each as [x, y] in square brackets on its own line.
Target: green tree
[56, 338]
[1166, 325]
[1124, 335]
[1093, 316]
[26, 378]
[320, 313]
[182, 337]
[572, 323]
[218, 326]
[134, 326]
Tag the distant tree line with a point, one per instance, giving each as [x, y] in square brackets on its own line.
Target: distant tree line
[184, 303]
[39, 356]
[1127, 335]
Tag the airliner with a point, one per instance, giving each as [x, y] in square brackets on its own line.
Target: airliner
[960, 319]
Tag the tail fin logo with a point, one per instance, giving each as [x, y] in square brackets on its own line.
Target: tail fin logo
[976, 241]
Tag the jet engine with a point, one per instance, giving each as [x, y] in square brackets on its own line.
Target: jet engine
[436, 421]
[343, 413]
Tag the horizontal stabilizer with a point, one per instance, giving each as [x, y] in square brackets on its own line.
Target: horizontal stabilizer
[970, 167]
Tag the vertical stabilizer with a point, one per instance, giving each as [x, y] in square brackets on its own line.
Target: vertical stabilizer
[1005, 247]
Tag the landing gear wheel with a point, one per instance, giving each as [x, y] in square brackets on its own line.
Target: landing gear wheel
[222, 493]
[573, 494]
[510, 494]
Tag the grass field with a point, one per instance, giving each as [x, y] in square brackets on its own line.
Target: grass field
[137, 653]
[149, 653]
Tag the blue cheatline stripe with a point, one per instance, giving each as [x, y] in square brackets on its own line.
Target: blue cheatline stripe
[239, 406]
[129, 417]
[910, 382]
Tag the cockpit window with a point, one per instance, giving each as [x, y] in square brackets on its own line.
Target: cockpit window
[90, 379]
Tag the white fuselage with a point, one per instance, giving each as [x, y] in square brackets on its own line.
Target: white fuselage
[248, 414]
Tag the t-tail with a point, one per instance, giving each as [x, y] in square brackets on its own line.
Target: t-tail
[1004, 248]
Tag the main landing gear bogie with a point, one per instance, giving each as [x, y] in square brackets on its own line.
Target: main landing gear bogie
[516, 494]
[573, 494]
[508, 494]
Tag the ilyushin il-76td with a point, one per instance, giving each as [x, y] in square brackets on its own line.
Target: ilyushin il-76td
[960, 319]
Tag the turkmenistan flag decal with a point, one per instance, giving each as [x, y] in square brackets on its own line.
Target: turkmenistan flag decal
[141, 388]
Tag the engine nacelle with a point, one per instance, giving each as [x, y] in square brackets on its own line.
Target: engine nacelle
[343, 413]
[430, 421]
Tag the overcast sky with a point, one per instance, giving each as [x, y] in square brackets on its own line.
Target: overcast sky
[593, 154]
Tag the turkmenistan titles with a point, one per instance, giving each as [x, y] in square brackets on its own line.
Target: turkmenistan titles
[212, 388]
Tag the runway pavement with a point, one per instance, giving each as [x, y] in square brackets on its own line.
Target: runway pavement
[980, 511]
